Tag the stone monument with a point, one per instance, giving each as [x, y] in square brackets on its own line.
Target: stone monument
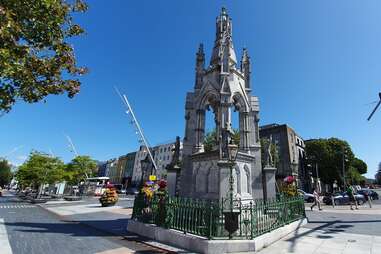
[222, 87]
[269, 171]
[173, 170]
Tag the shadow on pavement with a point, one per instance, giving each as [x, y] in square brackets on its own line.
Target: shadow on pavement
[95, 228]
[104, 227]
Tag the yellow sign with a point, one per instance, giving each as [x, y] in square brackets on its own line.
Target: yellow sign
[152, 178]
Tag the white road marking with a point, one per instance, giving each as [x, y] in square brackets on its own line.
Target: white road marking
[5, 247]
[16, 206]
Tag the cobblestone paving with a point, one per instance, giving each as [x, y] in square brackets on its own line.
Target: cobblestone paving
[33, 230]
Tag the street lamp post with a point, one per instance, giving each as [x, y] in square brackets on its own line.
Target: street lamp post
[144, 165]
[231, 218]
[343, 161]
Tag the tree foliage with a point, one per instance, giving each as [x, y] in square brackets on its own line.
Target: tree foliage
[210, 140]
[378, 174]
[360, 166]
[353, 176]
[328, 155]
[40, 168]
[5, 173]
[36, 58]
[80, 168]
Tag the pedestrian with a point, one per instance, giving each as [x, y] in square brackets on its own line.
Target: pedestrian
[333, 199]
[368, 198]
[316, 200]
[351, 195]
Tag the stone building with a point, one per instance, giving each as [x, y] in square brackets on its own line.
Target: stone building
[112, 170]
[162, 155]
[128, 169]
[101, 168]
[137, 171]
[290, 147]
[222, 88]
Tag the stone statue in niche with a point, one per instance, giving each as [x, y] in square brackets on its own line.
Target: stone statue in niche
[226, 138]
[176, 155]
[269, 157]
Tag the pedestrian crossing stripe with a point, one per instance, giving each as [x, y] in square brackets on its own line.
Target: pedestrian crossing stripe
[15, 206]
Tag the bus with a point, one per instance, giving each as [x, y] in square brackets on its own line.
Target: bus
[96, 185]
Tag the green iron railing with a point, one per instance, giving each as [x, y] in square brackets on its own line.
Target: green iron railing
[207, 218]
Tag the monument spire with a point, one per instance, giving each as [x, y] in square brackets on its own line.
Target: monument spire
[246, 67]
[223, 50]
[200, 64]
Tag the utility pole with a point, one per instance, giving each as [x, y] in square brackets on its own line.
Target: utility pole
[142, 139]
[374, 110]
[71, 145]
[343, 158]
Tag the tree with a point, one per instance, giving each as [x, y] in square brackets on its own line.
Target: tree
[378, 174]
[353, 176]
[39, 169]
[328, 155]
[5, 172]
[210, 140]
[36, 58]
[80, 168]
[360, 166]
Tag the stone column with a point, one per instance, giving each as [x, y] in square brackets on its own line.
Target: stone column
[224, 171]
[200, 128]
[244, 130]
[269, 184]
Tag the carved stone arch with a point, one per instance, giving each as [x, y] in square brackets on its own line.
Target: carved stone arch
[239, 103]
[237, 179]
[209, 98]
[248, 178]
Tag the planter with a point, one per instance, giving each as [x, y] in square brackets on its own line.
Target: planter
[109, 197]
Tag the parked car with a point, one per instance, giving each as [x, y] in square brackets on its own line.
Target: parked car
[342, 198]
[308, 197]
[132, 191]
[370, 193]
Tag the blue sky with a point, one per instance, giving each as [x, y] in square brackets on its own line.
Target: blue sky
[315, 66]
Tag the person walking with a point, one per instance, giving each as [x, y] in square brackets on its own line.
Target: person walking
[316, 200]
[368, 198]
[351, 195]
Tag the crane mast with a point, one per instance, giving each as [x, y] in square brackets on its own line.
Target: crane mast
[138, 130]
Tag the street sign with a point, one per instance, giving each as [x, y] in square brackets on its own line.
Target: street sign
[152, 178]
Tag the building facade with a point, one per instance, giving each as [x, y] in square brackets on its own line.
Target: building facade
[162, 155]
[112, 169]
[290, 149]
[129, 169]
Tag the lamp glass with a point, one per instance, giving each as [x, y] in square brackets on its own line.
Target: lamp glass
[233, 151]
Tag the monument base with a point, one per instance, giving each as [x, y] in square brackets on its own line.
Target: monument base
[203, 245]
[269, 175]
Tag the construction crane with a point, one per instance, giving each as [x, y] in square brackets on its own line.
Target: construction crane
[138, 130]
[12, 151]
[374, 110]
[71, 145]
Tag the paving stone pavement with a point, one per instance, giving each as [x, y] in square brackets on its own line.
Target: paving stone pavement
[334, 230]
[34, 230]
